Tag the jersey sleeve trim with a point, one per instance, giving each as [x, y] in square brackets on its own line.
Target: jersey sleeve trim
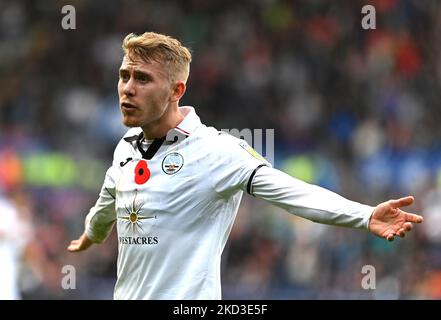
[250, 180]
[110, 193]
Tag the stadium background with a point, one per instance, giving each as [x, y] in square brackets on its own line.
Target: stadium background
[356, 111]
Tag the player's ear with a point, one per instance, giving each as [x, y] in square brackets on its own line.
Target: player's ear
[178, 88]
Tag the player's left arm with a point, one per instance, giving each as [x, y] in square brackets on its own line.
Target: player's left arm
[324, 206]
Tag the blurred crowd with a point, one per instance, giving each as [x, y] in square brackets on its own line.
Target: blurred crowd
[353, 110]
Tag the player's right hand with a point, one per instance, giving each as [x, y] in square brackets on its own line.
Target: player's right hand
[80, 244]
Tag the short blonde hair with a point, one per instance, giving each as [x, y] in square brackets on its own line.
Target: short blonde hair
[161, 48]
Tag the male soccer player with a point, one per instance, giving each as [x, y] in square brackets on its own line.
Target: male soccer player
[175, 185]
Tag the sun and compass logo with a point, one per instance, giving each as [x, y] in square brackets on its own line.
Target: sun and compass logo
[134, 218]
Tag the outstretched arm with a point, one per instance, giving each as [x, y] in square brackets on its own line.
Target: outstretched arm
[320, 205]
[309, 201]
[388, 220]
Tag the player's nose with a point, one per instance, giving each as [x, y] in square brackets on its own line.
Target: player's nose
[129, 88]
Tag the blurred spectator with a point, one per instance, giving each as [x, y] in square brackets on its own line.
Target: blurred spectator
[15, 234]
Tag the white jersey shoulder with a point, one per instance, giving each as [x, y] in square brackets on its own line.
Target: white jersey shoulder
[227, 144]
[126, 146]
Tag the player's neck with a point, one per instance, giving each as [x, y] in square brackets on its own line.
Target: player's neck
[169, 120]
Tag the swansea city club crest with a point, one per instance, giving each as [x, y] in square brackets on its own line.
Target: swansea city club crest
[172, 163]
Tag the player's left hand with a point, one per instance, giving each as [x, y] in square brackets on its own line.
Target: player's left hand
[388, 220]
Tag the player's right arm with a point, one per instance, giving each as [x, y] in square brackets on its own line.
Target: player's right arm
[101, 217]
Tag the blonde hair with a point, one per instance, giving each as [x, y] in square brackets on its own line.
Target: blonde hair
[161, 48]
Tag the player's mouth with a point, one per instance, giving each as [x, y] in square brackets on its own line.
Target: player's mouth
[125, 106]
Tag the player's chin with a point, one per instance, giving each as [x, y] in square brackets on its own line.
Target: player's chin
[130, 122]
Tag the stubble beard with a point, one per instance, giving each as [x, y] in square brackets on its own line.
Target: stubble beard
[130, 123]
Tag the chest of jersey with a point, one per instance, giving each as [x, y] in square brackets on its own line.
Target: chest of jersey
[168, 192]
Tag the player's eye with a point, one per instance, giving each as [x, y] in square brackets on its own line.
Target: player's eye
[142, 78]
[124, 77]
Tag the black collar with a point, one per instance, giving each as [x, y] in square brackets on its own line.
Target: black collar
[152, 149]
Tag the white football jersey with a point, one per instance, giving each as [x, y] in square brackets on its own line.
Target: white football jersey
[174, 202]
